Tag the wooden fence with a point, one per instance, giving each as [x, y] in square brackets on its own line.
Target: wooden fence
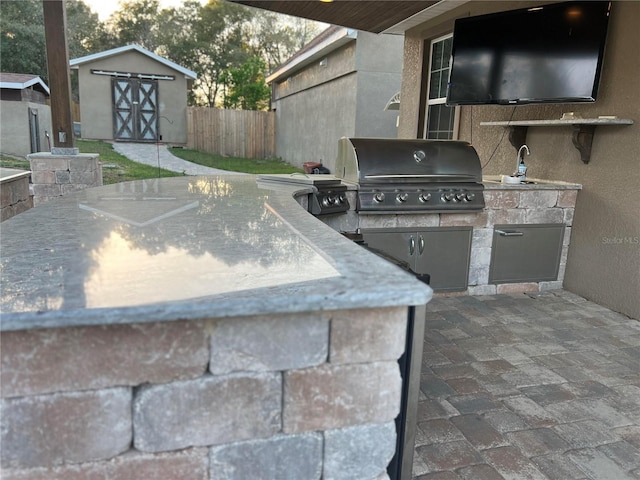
[233, 133]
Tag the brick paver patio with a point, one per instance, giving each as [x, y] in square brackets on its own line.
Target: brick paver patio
[536, 386]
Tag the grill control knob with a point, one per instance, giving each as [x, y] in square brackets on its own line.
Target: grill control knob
[341, 199]
[424, 197]
[460, 197]
[378, 197]
[402, 197]
[447, 197]
[327, 201]
[470, 197]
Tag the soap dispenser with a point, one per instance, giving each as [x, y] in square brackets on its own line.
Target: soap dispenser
[521, 167]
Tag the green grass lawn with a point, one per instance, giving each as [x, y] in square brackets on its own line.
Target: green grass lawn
[117, 168]
[14, 162]
[246, 165]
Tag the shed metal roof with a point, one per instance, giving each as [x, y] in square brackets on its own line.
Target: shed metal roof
[76, 62]
[20, 81]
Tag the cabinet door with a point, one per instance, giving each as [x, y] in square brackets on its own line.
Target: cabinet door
[444, 253]
[526, 253]
[397, 246]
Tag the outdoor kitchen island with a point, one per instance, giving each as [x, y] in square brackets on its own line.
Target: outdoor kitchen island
[201, 327]
[519, 242]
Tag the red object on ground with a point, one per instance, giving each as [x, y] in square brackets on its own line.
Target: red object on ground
[309, 166]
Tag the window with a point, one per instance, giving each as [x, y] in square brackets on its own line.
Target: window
[440, 119]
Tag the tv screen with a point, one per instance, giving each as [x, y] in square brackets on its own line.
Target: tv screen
[547, 54]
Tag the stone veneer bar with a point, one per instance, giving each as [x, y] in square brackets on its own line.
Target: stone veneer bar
[196, 327]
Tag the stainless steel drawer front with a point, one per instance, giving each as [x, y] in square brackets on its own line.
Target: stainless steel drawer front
[526, 253]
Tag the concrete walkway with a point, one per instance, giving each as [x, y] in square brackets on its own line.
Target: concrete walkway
[537, 386]
[152, 154]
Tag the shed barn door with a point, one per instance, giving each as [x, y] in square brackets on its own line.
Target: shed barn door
[135, 109]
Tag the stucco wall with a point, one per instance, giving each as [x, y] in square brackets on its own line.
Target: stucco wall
[604, 259]
[345, 96]
[309, 124]
[379, 65]
[14, 117]
[96, 97]
[315, 107]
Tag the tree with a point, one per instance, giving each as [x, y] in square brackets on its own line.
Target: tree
[22, 47]
[219, 41]
[136, 22]
[22, 42]
[247, 89]
[86, 34]
[277, 37]
[176, 39]
[219, 46]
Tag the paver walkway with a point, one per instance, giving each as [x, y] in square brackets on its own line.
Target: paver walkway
[539, 386]
[158, 155]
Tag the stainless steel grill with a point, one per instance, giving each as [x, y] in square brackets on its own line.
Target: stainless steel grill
[329, 193]
[403, 176]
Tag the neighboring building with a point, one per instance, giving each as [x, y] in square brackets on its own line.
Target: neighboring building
[336, 86]
[603, 262]
[24, 114]
[131, 94]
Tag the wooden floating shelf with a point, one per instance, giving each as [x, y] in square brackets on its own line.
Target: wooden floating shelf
[583, 130]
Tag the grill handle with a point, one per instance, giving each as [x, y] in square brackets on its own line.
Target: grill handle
[412, 245]
[509, 233]
[421, 245]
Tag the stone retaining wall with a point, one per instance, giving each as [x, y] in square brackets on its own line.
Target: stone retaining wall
[15, 197]
[55, 175]
[297, 396]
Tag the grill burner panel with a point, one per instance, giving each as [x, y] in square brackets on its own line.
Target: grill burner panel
[400, 176]
[329, 193]
[446, 198]
[329, 200]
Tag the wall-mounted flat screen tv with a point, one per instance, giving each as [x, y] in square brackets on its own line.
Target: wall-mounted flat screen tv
[548, 54]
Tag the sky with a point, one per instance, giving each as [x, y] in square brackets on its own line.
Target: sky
[104, 8]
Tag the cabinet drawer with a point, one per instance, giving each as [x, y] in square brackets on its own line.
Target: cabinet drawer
[526, 253]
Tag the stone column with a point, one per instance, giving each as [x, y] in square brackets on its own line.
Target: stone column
[54, 175]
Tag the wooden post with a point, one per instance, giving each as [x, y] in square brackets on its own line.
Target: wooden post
[55, 28]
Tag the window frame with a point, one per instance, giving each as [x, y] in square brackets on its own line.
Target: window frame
[427, 85]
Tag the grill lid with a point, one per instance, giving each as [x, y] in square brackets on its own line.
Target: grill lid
[383, 160]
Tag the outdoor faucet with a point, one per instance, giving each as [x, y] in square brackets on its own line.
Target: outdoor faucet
[521, 168]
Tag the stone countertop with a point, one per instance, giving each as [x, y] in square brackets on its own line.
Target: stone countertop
[493, 182]
[184, 248]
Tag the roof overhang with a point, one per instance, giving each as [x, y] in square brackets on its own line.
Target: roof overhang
[314, 51]
[376, 16]
[433, 11]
